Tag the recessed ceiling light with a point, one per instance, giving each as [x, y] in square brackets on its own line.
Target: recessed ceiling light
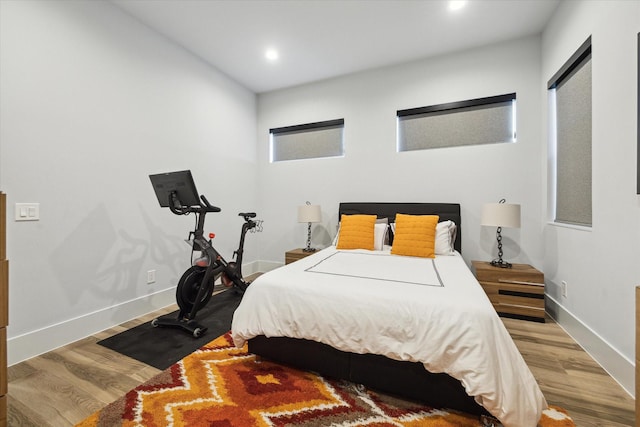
[457, 4]
[271, 54]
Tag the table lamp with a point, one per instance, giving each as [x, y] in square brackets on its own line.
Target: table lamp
[500, 215]
[309, 213]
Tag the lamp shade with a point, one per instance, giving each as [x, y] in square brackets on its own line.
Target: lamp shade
[309, 213]
[501, 215]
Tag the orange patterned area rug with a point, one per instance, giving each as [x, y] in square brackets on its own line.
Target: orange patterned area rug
[220, 385]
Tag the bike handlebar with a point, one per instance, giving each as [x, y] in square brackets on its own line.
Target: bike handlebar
[177, 208]
[207, 206]
[204, 207]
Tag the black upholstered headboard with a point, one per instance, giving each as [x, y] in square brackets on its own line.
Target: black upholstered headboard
[446, 211]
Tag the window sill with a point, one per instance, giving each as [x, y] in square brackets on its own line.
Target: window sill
[571, 226]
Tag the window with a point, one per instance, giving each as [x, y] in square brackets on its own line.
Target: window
[570, 96]
[307, 141]
[477, 121]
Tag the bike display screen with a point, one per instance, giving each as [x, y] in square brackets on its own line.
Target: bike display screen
[181, 183]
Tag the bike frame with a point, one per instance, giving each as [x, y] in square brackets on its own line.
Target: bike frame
[217, 265]
[199, 279]
[237, 254]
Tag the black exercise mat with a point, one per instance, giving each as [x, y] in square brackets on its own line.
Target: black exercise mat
[161, 347]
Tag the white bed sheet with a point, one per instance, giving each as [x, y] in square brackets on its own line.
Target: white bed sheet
[450, 327]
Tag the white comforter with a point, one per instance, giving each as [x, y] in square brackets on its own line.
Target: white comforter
[437, 316]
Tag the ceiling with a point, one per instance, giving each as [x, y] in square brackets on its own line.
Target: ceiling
[320, 39]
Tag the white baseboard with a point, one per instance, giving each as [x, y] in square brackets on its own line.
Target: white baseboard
[34, 343]
[37, 342]
[617, 365]
[265, 266]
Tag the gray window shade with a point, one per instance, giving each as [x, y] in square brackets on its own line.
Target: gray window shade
[480, 121]
[573, 144]
[313, 140]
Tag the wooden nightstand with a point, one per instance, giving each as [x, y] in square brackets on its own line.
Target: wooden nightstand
[516, 292]
[637, 350]
[295, 255]
[4, 308]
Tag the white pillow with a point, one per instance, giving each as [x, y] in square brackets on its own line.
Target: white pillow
[335, 239]
[445, 237]
[379, 236]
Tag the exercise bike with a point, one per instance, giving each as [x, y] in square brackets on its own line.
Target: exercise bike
[196, 285]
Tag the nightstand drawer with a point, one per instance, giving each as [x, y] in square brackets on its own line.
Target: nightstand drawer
[516, 292]
[4, 293]
[510, 290]
[509, 297]
[519, 273]
[3, 361]
[3, 410]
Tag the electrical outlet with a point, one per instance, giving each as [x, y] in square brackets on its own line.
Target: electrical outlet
[151, 277]
[564, 287]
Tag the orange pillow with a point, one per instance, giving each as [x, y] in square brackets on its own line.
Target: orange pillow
[415, 235]
[356, 232]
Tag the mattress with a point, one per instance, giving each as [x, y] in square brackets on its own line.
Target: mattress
[431, 311]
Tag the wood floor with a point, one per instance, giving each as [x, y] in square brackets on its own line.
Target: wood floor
[64, 386]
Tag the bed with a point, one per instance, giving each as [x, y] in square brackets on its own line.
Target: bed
[420, 328]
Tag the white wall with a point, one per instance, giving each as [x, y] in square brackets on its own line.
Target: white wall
[92, 103]
[602, 265]
[372, 170]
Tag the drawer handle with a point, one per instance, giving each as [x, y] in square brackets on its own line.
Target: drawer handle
[517, 282]
[521, 306]
[520, 294]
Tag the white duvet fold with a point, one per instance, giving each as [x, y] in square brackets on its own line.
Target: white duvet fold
[428, 311]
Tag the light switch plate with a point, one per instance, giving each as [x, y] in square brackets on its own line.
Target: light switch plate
[27, 211]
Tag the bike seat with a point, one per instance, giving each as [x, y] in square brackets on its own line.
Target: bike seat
[247, 214]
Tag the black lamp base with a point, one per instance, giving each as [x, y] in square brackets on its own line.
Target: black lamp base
[500, 263]
[309, 248]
